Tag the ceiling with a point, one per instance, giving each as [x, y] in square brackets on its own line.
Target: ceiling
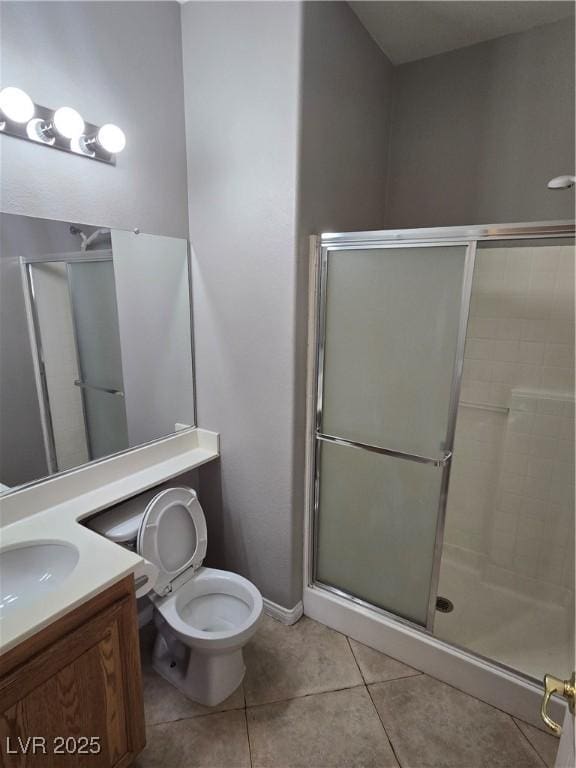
[408, 30]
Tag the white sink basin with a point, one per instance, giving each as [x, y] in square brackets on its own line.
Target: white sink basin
[29, 571]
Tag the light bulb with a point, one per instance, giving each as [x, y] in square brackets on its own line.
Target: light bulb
[111, 138]
[68, 123]
[16, 104]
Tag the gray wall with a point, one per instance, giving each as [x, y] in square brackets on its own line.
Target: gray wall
[241, 75]
[345, 116]
[478, 132]
[114, 62]
[22, 456]
[345, 111]
[153, 297]
[287, 109]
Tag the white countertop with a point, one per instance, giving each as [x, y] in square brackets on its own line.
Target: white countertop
[52, 511]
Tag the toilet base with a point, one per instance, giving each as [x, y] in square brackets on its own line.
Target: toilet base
[207, 679]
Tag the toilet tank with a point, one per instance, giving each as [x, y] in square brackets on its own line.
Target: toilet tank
[121, 522]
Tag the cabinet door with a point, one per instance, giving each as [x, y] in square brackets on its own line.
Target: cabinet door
[77, 697]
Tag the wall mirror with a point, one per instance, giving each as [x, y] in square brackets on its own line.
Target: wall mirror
[95, 344]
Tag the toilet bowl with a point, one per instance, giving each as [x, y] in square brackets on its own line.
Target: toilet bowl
[203, 616]
[213, 615]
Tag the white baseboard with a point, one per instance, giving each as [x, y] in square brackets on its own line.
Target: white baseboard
[284, 615]
[502, 689]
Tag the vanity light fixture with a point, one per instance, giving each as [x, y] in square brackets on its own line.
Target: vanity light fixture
[63, 128]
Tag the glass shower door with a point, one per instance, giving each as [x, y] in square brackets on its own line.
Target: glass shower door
[391, 334]
[97, 336]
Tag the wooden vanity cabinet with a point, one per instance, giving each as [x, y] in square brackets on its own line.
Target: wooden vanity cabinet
[76, 686]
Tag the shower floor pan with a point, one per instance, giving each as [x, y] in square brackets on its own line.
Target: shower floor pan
[526, 634]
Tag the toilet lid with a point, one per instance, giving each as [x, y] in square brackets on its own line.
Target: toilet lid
[173, 535]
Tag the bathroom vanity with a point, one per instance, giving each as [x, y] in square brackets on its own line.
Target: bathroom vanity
[72, 693]
[69, 656]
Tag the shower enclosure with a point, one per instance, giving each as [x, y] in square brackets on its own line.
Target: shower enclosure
[75, 336]
[441, 443]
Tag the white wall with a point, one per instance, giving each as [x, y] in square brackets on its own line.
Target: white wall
[115, 62]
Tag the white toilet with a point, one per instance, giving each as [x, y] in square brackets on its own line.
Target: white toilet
[204, 616]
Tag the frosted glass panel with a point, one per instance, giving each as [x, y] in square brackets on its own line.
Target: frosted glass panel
[105, 423]
[377, 527]
[96, 321]
[95, 312]
[392, 319]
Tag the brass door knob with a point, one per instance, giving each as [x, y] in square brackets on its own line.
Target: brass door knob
[566, 688]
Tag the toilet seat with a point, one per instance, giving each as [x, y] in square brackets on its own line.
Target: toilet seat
[211, 583]
[173, 536]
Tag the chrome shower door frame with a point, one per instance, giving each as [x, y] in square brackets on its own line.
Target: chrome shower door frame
[39, 363]
[27, 263]
[320, 248]
[442, 462]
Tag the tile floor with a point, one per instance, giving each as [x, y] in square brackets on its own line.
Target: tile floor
[313, 698]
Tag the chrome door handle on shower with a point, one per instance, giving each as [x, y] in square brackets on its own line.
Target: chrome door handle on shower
[108, 390]
[437, 462]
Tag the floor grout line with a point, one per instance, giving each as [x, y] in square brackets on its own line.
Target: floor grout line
[248, 738]
[306, 695]
[528, 740]
[384, 728]
[373, 704]
[390, 679]
[246, 723]
[355, 659]
[194, 717]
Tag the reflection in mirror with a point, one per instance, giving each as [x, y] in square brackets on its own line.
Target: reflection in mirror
[95, 344]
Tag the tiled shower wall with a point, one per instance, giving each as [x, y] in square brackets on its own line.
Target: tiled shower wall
[511, 500]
